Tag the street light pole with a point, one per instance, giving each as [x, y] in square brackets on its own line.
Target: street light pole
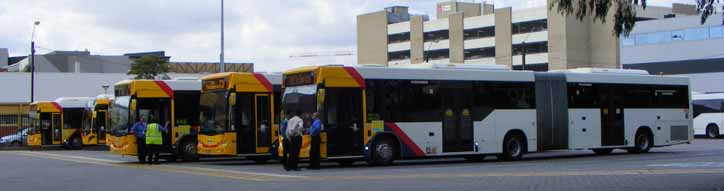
[32, 62]
[222, 67]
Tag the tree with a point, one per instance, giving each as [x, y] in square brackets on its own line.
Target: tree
[148, 67]
[625, 13]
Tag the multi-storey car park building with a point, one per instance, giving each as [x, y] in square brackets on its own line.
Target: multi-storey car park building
[679, 45]
[477, 33]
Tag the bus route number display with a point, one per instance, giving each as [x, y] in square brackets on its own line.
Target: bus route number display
[214, 84]
[299, 79]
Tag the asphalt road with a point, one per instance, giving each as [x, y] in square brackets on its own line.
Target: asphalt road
[697, 166]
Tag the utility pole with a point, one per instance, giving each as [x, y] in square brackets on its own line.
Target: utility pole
[222, 67]
[525, 51]
[32, 62]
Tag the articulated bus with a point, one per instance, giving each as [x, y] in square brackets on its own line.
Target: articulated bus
[237, 115]
[58, 122]
[96, 120]
[708, 114]
[381, 114]
[173, 102]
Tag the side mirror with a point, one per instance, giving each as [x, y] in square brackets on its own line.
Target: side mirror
[132, 106]
[232, 98]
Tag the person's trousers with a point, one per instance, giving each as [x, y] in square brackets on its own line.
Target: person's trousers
[141, 149]
[314, 152]
[286, 147]
[152, 151]
[294, 153]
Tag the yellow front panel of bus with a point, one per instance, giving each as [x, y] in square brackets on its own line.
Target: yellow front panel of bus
[66, 133]
[90, 139]
[221, 144]
[122, 145]
[306, 146]
[35, 139]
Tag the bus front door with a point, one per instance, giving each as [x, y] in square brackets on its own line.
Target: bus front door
[100, 126]
[243, 123]
[342, 122]
[457, 126]
[263, 121]
[46, 129]
[56, 128]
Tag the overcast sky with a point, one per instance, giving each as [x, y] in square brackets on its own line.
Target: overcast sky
[265, 32]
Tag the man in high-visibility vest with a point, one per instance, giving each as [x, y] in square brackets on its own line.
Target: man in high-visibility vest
[154, 141]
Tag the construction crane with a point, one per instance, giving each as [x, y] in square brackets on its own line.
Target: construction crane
[322, 54]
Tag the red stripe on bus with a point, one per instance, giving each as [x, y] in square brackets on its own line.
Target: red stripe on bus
[165, 88]
[405, 139]
[57, 106]
[264, 82]
[355, 75]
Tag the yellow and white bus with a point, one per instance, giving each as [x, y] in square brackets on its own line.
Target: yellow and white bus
[168, 101]
[96, 120]
[58, 122]
[237, 115]
[382, 114]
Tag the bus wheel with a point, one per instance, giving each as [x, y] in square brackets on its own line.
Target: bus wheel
[712, 131]
[76, 143]
[15, 144]
[383, 152]
[602, 151]
[513, 148]
[188, 150]
[643, 142]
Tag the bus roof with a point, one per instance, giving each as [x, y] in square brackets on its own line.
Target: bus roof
[157, 88]
[241, 81]
[707, 96]
[45, 107]
[73, 102]
[343, 74]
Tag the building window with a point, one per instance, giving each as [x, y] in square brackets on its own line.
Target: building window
[478, 53]
[533, 67]
[716, 31]
[531, 48]
[628, 41]
[477, 33]
[399, 37]
[398, 55]
[697, 34]
[437, 35]
[530, 26]
[437, 54]
[677, 35]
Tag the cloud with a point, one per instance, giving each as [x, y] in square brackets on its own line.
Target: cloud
[264, 32]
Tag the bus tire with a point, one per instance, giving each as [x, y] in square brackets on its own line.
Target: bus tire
[187, 150]
[15, 144]
[712, 131]
[643, 142]
[384, 152]
[513, 147]
[76, 142]
[602, 151]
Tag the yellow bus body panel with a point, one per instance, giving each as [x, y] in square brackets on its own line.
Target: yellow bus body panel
[217, 145]
[123, 145]
[306, 146]
[35, 139]
[90, 139]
